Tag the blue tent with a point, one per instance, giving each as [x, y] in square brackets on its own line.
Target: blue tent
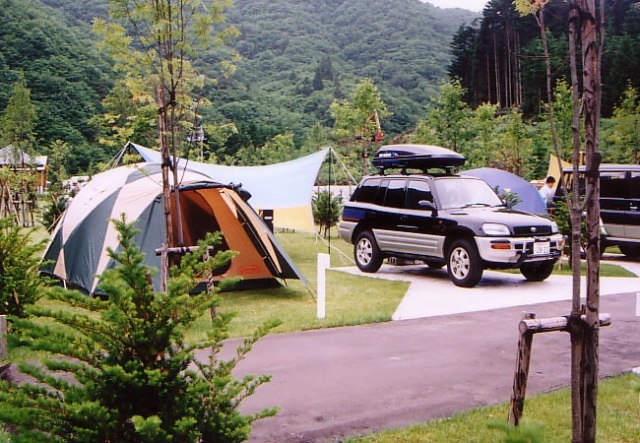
[506, 181]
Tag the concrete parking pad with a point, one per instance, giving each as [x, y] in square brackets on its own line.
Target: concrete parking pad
[431, 293]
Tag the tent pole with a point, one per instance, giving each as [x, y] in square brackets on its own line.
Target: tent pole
[330, 201]
[116, 160]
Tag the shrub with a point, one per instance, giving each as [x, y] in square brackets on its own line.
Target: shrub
[19, 268]
[121, 370]
[326, 210]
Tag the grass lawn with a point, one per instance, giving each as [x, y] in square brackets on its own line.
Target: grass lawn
[606, 270]
[350, 299]
[548, 415]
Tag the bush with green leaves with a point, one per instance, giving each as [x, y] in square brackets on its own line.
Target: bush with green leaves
[326, 209]
[19, 268]
[120, 369]
[510, 199]
[562, 218]
[524, 433]
[55, 204]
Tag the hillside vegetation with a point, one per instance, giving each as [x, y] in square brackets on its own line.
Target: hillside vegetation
[296, 58]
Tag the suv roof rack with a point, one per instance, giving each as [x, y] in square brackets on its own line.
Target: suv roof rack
[423, 157]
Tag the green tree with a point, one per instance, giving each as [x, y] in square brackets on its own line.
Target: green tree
[58, 160]
[153, 43]
[134, 377]
[563, 113]
[20, 284]
[462, 67]
[356, 119]
[127, 118]
[279, 149]
[514, 144]
[624, 136]
[484, 124]
[446, 122]
[326, 210]
[18, 120]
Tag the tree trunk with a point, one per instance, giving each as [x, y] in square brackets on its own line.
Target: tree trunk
[591, 101]
[496, 67]
[574, 206]
[166, 165]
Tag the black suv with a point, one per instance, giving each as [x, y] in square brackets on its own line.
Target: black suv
[443, 219]
[619, 205]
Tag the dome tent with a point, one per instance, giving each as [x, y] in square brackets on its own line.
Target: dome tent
[506, 181]
[77, 253]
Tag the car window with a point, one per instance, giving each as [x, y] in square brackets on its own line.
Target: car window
[613, 185]
[460, 192]
[418, 190]
[395, 195]
[634, 187]
[367, 191]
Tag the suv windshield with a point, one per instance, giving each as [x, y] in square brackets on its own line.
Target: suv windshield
[461, 192]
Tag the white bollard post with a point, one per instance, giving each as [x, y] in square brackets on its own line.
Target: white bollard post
[324, 262]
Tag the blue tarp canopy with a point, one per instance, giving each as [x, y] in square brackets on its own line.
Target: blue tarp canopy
[282, 185]
[506, 181]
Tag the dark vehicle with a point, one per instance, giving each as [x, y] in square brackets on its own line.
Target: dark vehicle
[619, 205]
[442, 218]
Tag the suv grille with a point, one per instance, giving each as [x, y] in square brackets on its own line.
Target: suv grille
[528, 231]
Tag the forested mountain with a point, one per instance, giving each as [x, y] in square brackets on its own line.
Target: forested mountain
[67, 76]
[297, 56]
[499, 59]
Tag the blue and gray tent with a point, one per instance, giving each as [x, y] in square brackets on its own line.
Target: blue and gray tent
[77, 254]
[530, 200]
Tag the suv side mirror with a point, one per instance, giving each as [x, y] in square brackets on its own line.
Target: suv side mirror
[426, 204]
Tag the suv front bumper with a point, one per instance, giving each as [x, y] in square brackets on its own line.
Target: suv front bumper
[513, 251]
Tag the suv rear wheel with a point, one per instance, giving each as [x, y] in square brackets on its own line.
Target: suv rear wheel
[537, 271]
[366, 252]
[464, 264]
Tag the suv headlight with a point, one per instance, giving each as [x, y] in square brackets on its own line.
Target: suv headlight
[495, 229]
[554, 227]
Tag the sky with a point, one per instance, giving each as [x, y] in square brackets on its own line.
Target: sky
[473, 5]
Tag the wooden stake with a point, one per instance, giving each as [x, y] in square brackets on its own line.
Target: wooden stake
[529, 325]
[521, 376]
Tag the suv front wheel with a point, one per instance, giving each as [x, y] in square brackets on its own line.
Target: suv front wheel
[366, 252]
[464, 264]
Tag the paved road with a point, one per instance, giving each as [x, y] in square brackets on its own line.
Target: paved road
[356, 380]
